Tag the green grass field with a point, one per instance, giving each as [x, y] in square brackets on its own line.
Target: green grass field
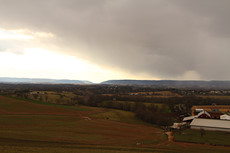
[53, 97]
[31, 126]
[209, 137]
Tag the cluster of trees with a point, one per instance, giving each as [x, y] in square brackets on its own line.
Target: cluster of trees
[172, 102]
[154, 115]
[149, 113]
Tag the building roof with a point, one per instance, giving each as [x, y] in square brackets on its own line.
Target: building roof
[199, 110]
[203, 112]
[211, 107]
[215, 123]
[225, 117]
[221, 108]
[189, 118]
[178, 125]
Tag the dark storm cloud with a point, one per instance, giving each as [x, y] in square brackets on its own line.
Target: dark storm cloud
[164, 38]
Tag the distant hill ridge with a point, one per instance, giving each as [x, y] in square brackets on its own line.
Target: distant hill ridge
[156, 83]
[45, 81]
[172, 83]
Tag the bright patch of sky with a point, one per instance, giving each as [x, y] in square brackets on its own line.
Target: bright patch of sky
[42, 63]
[22, 34]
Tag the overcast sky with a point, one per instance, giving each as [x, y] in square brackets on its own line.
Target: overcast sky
[98, 40]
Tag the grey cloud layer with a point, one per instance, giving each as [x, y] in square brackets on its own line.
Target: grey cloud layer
[164, 38]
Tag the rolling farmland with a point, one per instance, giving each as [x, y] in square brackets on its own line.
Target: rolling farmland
[39, 127]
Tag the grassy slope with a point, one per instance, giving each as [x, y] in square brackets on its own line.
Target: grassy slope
[210, 137]
[34, 127]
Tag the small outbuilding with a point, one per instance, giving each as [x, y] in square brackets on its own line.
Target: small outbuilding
[179, 125]
[225, 117]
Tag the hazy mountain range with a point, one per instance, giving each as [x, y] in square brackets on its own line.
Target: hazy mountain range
[44, 81]
[156, 83]
[172, 83]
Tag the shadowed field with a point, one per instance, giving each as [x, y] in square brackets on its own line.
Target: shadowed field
[37, 127]
[208, 137]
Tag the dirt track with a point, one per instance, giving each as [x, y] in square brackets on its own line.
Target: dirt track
[170, 136]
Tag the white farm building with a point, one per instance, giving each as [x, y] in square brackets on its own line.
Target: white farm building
[225, 117]
[210, 124]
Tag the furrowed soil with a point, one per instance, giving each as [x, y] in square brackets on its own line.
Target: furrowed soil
[39, 127]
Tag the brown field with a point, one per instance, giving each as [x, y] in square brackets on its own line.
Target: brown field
[32, 121]
[166, 93]
[40, 127]
[160, 94]
[216, 97]
[14, 106]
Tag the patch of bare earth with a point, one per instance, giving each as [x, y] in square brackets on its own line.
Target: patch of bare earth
[170, 136]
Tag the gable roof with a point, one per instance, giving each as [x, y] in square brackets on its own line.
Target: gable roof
[215, 123]
[204, 112]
